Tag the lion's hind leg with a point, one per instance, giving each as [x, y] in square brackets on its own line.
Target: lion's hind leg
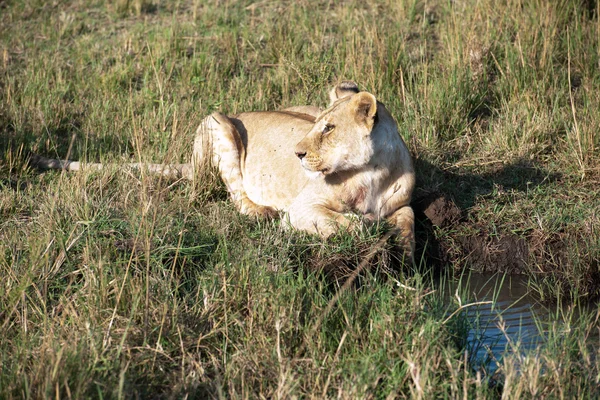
[219, 139]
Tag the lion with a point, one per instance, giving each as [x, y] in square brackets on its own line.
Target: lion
[314, 167]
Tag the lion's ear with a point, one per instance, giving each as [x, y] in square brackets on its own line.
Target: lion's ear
[365, 107]
[341, 90]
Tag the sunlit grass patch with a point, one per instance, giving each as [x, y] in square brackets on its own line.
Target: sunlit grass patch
[120, 284]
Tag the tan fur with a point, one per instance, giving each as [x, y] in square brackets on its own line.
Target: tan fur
[352, 160]
[310, 110]
[348, 158]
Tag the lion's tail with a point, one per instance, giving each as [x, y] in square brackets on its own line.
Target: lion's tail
[202, 155]
[168, 170]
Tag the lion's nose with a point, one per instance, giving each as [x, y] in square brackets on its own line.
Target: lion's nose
[301, 154]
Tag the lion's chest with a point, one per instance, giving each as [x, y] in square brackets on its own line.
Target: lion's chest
[360, 196]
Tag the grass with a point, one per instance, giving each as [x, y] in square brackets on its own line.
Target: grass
[121, 285]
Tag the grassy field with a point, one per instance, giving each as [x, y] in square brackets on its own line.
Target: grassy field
[126, 285]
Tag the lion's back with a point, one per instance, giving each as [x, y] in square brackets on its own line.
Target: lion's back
[271, 171]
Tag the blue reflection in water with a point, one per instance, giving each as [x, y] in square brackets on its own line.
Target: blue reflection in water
[508, 318]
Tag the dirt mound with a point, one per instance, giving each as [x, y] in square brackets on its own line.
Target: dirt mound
[481, 250]
[507, 253]
[440, 210]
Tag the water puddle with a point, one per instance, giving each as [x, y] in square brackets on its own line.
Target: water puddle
[500, 314]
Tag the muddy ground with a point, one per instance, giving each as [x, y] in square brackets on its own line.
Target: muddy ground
[505, 253]
[441, 242]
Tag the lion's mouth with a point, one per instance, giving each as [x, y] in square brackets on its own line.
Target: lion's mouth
[314, 172]
[312, 167]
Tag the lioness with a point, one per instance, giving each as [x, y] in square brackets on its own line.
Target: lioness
[314, 166]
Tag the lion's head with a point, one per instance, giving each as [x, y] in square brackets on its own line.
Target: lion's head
[341, 139]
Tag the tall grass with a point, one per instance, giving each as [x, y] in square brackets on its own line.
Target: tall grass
[121, 285]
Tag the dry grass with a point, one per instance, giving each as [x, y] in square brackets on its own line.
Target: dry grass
[124, 285]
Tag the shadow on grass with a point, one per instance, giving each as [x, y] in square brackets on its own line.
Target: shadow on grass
[465, 188]
[442, 201]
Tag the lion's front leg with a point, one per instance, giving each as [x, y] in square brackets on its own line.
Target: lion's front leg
[318, 219]
[404, 219]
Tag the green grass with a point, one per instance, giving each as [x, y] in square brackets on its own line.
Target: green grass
[123, 285]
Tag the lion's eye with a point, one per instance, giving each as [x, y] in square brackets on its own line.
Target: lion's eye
[328, 128]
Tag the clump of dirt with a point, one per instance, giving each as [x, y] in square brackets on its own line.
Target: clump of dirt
[432, 212]
[440, 210]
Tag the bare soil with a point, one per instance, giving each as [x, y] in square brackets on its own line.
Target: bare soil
[481, 250]
[444, 239]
